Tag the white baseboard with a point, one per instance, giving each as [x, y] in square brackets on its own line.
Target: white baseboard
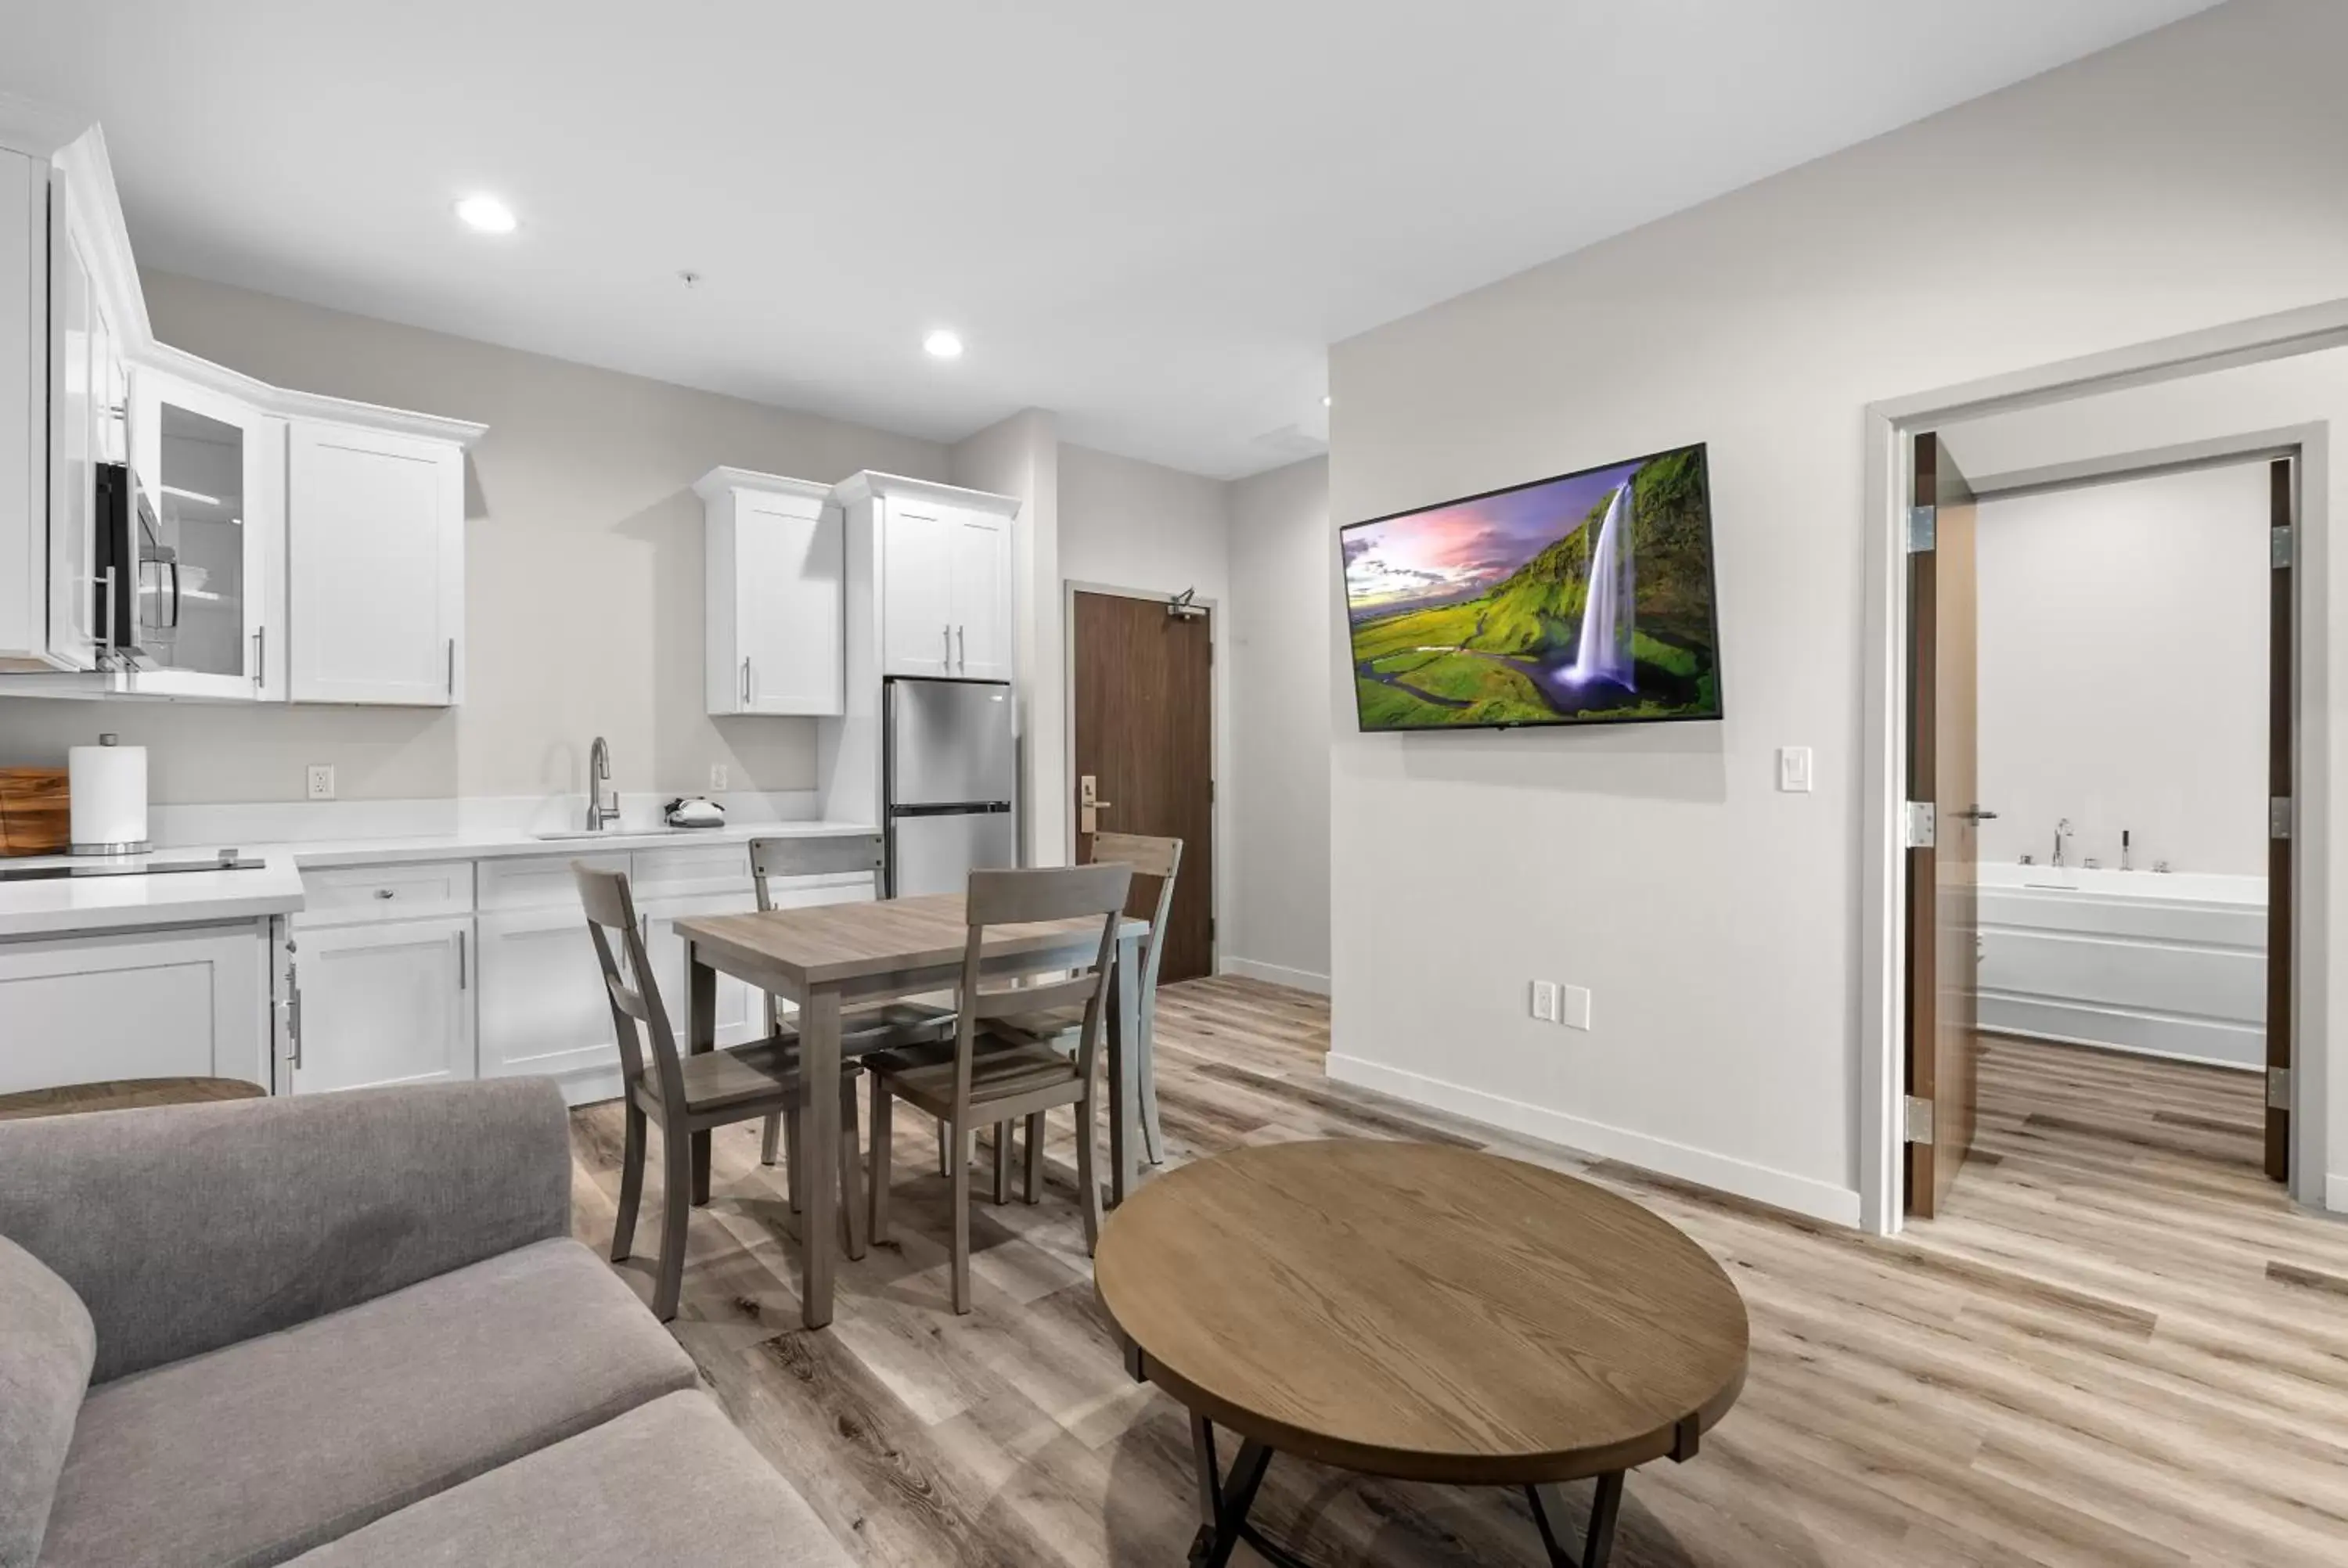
[2335, 1193]
[1802, 1195]
[1274, 974]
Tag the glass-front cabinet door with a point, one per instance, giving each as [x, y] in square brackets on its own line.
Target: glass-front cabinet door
[210, 577]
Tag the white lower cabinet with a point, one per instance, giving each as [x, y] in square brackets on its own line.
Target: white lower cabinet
[741, 1009]
[385, 1002]
[542, 997]
[142, 1004]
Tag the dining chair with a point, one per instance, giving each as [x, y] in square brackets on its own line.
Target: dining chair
[866, 1029]
[1152, 859]
[992, 1080]
[686, 1094]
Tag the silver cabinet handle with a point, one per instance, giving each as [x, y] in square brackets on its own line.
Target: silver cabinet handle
[260, 634]
[961, 648]
[452, 668]
[745, 680]
[460, 961]
[948, 630]
[293, 1016]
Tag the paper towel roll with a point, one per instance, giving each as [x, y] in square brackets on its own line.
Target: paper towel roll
[107, 787]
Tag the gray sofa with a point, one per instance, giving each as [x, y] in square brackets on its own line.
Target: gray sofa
[350, 1331]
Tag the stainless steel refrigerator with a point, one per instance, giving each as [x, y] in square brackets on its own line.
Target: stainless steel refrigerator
[949, 764]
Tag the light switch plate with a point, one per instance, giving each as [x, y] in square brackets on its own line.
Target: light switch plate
[718, 776]
[1544, 1001]
[1576, 1014]
[321, 781]
[1794, 769]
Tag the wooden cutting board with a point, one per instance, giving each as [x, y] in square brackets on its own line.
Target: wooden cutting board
[35, 817]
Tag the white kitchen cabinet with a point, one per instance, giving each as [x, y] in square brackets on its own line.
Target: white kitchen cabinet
[80, 348]
[773, 601]
[24, 413]
[385, 1002]
[142, 1004]
[929, 579]
[213, 466]
[542, 999]
[741, 1009]
[376, 538]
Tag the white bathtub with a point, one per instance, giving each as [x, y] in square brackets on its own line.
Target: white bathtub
[2166, 963]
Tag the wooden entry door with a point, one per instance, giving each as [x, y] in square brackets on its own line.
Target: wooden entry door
[1943, 924]
[1145, 735]
[2281, 712]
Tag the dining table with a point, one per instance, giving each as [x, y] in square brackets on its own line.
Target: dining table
[836, 958]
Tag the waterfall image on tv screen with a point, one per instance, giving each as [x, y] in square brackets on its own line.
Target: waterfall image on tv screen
[1585, 598]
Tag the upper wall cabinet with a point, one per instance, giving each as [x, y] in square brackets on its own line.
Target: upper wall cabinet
[931, 564]
[376, 539]
[265, 544]
[773, 609]
[210, 579]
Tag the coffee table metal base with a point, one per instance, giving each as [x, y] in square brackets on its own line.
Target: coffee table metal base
[1225, 1498]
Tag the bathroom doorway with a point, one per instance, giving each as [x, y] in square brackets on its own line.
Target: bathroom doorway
[2098, 892]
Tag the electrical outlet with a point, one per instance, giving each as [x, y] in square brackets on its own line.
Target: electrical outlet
[321, 781]
[1544, 1005]
[718, 776]
[1794, 769]
[1575, 1013]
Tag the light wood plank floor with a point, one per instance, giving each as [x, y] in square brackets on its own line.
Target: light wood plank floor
[2121, 1346]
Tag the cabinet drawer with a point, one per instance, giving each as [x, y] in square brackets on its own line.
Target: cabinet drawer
[344, 895]
[540, 881]
[690, 869]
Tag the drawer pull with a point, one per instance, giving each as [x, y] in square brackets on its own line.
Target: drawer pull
[385, 893]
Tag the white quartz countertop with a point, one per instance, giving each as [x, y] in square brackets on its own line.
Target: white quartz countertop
[96, 904]
[55, 905]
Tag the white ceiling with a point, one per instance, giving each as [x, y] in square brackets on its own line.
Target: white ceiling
[1151, 217]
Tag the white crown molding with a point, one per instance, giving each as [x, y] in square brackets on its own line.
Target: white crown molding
[290, 405]
[38, 129]
[720, 480]
[867, 484]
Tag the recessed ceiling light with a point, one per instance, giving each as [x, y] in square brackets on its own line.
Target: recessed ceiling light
[943, 344]
[486, 213]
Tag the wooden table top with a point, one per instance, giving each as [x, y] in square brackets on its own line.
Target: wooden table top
[1423, 1312]
[827, 943]
[125, 1095]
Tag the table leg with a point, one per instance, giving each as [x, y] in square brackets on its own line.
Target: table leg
[1598, 1542]
[819, 1073]
[1124, 1072]
[1224, 1499]
[700, 1036]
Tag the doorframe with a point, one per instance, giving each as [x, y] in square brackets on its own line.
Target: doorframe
[1218, 858]
[1888, 428]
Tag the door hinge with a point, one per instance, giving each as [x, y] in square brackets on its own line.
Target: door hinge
[2279, 816]
[1918, 830]
[2280, 555]
[1915, 1118]
[1924, 529]
[2278, 1088]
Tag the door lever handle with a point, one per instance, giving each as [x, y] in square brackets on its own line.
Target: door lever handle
[1975, 814]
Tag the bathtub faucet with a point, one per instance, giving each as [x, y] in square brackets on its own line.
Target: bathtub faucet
[2062, 832]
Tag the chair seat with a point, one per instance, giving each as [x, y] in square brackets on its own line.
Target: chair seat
[1001, 1074]
[865, 1029]
[763, 1069]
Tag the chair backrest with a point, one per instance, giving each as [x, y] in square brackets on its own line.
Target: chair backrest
[1160, 858]
[1023, 898]
[810, 855]
[634, 995]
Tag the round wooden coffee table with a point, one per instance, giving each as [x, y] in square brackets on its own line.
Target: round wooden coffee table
[1420, 1312]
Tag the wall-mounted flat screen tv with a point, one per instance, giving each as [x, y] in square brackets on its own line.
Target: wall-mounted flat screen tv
[1583, 600]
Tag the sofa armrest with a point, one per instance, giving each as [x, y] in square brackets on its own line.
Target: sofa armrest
[185, 1228]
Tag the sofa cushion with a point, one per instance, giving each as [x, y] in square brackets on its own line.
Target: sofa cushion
[255, 1452]
[671, 1482]
[46, 1347]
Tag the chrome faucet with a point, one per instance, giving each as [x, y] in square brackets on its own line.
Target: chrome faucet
[599, 773]
[2062, 832]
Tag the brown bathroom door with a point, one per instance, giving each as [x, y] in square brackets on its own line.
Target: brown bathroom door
[2281, 715]
[1943, 900]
